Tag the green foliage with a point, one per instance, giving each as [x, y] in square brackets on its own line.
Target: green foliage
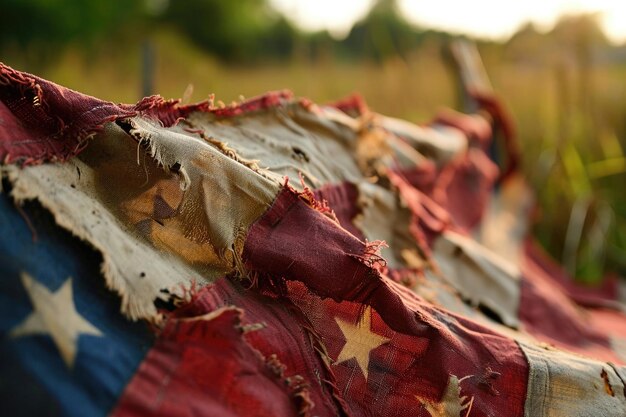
[240, 30]
[46, 26]
[382, 34]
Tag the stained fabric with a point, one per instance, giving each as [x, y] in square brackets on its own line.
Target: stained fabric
[279, 257]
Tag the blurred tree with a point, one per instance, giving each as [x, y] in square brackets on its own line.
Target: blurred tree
[236, 31]
[383, 33]
[43, 27]
[244, 30]
[528, 46]
[580, 31]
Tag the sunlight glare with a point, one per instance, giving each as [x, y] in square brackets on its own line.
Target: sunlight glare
[492, 19]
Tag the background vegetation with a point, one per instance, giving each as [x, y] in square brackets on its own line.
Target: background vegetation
[565, 87]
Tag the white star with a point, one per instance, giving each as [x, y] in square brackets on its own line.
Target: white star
[452, 403]
[360, 340]
[54, 313]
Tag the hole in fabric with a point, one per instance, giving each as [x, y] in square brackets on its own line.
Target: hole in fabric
[169, 304]
[299, 154]
[607, 384]
[124, 124]
[490, 313]
[175, 168]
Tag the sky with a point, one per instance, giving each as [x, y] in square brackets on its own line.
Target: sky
[493, 19]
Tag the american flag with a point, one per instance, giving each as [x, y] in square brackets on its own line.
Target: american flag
[277, 257]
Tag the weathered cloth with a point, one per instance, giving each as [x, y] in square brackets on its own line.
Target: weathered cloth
[275, 258]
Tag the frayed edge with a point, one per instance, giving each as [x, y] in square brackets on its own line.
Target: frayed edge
[10, 76]
[142, 136]
[309, 198]
[116, 284]
[326, 360]
[238, 263]
[168, 112]
[372, 257]
[21, 192]
[82, 137]
[353, 105]
[70, 136]
[223, 147]
[262, 102]
[297, 384]
[113, 282]
[298, 387]
[188, 293]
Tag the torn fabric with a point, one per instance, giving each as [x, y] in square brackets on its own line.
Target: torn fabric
[283, 258]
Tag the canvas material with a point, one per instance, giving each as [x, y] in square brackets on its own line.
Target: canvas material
[565, 385]
[94, 197]
[481, 276]
[288, 140]
[131, 266]
[441, 143]
[505, 224]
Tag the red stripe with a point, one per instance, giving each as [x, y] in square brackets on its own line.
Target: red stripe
[206, 368]
[294, 242]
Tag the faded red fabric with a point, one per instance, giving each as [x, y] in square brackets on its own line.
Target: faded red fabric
[477, 129]
[429, 218]
[550, 315]
[353, 105]
[292, 241]
[446, 345]
[464, 188]
[422, 177]
[503, 124]
[556, 310]
[342, 200]
[41, 121]
[339, 279]
[461, 189]
[604, 295]
[204, 366]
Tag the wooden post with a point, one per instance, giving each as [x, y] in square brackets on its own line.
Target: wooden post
[471, 73]
[147, 68]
